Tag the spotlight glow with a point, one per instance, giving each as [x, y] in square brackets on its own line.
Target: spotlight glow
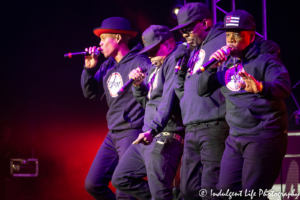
[175, 11]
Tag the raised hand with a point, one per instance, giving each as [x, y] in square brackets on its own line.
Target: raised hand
[251, 84]
[181, 52]
[91, 60]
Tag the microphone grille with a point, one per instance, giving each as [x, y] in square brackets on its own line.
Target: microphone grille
[226, 50]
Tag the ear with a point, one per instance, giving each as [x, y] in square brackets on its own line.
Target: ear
[206, 24]
[118, 37]
[252, 37]
[168, 46]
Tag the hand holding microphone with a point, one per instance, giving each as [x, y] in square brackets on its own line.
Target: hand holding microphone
[137, 76]
[182, 55]
[216, 59]
[91, 58]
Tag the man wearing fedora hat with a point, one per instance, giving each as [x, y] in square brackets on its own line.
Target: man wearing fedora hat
[254, 83]
[204, 117]
[125, 116]
[157, 152]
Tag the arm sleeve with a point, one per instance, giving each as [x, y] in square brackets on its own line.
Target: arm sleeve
[179, 84]
[208, 83]
[276, 84]
[140, 94]
[165, 107]
[91, 81]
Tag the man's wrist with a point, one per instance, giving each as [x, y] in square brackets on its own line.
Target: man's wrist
[89, 71]
[260, 87]
[152, 132]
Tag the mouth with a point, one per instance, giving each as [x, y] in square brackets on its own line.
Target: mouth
[156, 63]
[232, 48]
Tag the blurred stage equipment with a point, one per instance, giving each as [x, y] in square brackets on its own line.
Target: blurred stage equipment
[288, 180]
[24, 167]
[297, 112]
[25, 182]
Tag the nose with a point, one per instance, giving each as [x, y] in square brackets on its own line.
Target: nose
[231, 39]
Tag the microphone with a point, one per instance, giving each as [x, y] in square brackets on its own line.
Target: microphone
[125, 86]
[213, 61]
[97, 52]
[180, 61]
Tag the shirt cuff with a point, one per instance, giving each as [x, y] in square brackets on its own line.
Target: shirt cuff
[90, 71]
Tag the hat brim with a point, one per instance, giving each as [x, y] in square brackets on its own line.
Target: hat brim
[147, 48]
[99, 31]
[181, 26]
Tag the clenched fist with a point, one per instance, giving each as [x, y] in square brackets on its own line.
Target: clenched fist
[137, 75]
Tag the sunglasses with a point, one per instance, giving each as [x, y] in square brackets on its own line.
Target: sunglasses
[188, 29]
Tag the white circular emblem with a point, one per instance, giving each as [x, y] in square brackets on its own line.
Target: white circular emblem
[152, 84]
[232, 79]
[199, 60]
[114, 83]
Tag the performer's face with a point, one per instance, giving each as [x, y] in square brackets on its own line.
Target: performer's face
[158, 54]
[238, 41]
[193, 33]
[108, 44]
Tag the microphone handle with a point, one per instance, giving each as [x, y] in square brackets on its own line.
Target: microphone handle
[97, 52]
[207, 65]
[226, 51]
[178, 66]
[125, 86]
[76, 53]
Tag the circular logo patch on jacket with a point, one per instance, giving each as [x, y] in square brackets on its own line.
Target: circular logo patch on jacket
[199, 60]
[232, 79]
[114, 83]
[152, 84]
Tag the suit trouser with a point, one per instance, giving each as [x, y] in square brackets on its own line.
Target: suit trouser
[204, 145]
[158, 163]
[251, 164]
[111, 151]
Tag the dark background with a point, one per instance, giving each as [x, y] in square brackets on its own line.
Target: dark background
[41, 97]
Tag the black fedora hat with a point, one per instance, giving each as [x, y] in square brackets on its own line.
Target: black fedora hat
[192, 12]
[153, 35]
[115, 25]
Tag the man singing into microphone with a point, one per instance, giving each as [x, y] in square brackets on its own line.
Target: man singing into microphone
[204, 117]
[156, 153]
[125, 116]
[254, 84]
